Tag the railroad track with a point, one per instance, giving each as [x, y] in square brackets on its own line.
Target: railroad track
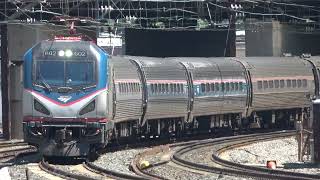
[136, 165]
[89, 171]
[9, 151]
[226, 167]
[4, 144]
[219, 165]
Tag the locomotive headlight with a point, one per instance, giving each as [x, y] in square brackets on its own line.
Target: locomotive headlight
[61, 53]
[68, 53]
[40, 108]
[90, 107]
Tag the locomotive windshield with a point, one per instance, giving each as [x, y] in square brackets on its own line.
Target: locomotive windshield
[64, 65]
[64, 73]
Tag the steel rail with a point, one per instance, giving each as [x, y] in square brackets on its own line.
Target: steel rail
[109, 173]
[4, 144]
[259, 171]
[63, 174]
[16, 152]
[226, 167]
[135, 164]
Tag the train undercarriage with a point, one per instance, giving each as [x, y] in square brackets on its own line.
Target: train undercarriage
[84, 139]
[157, 128]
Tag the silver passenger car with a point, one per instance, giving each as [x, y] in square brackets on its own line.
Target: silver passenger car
[166, 93]
[125, 97]
[280, 83]
[315, 62]
[219, 85]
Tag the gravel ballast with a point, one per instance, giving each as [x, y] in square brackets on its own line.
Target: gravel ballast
[118, 161]
[283, 151]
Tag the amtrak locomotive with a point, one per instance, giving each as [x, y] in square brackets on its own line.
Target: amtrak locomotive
[76, 98]
[64, 98]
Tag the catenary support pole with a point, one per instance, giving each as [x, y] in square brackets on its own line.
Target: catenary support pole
[6, 124]
[316, 131]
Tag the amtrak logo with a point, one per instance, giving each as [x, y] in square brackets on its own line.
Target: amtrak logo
[64, 98]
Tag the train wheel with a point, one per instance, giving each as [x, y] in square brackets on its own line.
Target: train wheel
[93, 154]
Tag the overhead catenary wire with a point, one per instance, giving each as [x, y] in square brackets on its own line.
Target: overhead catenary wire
[186, 14]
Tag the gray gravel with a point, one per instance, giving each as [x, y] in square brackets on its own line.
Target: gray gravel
[18, 172]
[118, 161]
[200, 156]
[284, 151]
[78, 169]
[172, 172]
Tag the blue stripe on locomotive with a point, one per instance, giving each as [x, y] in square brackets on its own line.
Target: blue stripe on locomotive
[102, 78]
[27, 69]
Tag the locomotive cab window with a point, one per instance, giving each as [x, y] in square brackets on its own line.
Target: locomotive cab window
[71, 73]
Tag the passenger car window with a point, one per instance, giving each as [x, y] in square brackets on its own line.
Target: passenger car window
[217, 87]
[299, 83]
[276, 83]
[241, 86]
[288, 83]
[236, 86]
[207, 87]
[203, 88]
[212, 87]
[294, 83]
[259, 84]
[270, 84]
[231, 86]
[304, 83]
[265, 84]
[281, 83]
[227, 87]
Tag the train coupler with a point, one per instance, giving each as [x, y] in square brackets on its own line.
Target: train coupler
[63, 135]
